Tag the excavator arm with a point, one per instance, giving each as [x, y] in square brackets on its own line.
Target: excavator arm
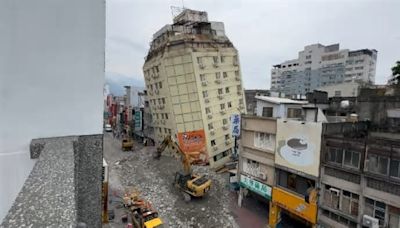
[187, 158]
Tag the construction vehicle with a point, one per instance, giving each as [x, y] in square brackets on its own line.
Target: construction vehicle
[191, 185]
[141, 214]
[127, 144]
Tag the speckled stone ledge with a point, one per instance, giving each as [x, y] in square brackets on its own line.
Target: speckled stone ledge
[61, 184]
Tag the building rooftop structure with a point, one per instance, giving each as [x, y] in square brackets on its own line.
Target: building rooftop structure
[280, 100]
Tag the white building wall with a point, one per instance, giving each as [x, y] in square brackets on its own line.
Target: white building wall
[51, 79]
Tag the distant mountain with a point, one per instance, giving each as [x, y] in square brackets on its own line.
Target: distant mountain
[117, 82]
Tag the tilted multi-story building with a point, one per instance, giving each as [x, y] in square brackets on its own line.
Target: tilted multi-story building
[318, 65]
[194, 84]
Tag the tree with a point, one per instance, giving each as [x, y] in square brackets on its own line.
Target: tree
[395, 78]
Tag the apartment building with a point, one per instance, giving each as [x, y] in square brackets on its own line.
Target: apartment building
[360, 179]
[318, 66]
[194, 84]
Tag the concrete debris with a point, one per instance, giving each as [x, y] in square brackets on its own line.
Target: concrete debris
[154, 178]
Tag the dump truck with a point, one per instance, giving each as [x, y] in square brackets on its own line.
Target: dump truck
[140, 212]
[190, 184]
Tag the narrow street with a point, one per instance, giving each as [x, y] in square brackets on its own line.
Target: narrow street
[154, 178]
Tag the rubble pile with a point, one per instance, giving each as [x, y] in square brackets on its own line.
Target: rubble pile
[154, 178]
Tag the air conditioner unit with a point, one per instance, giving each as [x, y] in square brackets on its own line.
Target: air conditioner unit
[222, 112]
[227, 142]
[209, 116]
[239, 92]
[215, 148]
[237, 78]
[220, 97]
[225, 127]
[215, 65]
[204, 83]
[206, 100]
[212, 132]
[235, 63]
[370, 222]
[262, 176]
[201, 66]
[218, 81]
[335, 191]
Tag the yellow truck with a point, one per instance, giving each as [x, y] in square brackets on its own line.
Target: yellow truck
[141, 213]
[127, 144]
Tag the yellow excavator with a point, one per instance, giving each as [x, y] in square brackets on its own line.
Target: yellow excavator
[191, 185]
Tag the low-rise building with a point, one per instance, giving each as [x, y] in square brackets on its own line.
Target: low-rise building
[279, 107]
[251, 101]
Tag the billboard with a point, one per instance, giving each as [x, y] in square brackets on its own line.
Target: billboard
[192, 141]
[138, 120]
[298, 145]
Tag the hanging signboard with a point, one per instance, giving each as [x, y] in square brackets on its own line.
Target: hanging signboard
[235, 125]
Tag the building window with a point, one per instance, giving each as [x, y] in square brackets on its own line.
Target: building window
[202, 77]
[222, 59]
[169, 131]
[237, 73]
[267, 111]
[229, 104]
[293, 113]
[227, 90]
[205, 94]
[213, 142]
[163, 100]
[156, 85]
[166, 116]
[215, 58]
[294, 182]
[235, 60]
[162, 116]
[165, 130]
[375, 209]
[378, 164]
[157, 70]
[218, 75]
[220, 91]
[224, 121]
[227, 137]
[338, 93]
[241, 101]
[160, 85]
[157, 115]
[208, 110]
[351, 159]
[210, 126]
[239, 88]
[264, 140]
[199, 60]
[334, 155]
[225, 74]
[339, 219]
[222, 106]
[395, 168]
[349, 203]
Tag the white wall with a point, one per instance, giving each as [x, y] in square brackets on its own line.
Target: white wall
[51, 79]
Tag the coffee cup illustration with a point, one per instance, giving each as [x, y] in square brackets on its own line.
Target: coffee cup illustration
[298, 151]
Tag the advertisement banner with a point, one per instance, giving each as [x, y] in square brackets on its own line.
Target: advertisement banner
[192, 141]
[138, 120]
[298, 145]
[235, 125]
[256, 186]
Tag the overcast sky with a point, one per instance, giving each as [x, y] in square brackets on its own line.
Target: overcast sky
[264, 32]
